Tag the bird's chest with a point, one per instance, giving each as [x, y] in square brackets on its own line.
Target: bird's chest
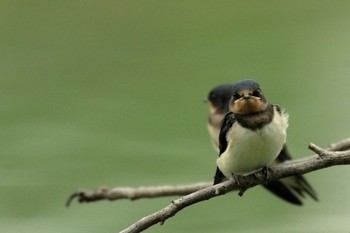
[250, 150]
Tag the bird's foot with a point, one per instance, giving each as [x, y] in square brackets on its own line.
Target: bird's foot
[263, 174]
[266, 173]
[242, 188]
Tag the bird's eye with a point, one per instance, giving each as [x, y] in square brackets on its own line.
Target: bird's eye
[236, 95]
[257, 93]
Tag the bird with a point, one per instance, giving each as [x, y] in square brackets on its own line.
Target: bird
[250, 134]
[218, 102]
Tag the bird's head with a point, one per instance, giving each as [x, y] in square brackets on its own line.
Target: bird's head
[219, 98]
[247, 98]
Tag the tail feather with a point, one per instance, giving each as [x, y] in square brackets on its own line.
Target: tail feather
[282, 191]
[306, 187]
[292, 189]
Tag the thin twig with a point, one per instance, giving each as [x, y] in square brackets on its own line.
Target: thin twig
[326, 159]
[336, 154]
[105, 193]
[134, 193]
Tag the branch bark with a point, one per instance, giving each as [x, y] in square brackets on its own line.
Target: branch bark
[134, 193]
[336, 154]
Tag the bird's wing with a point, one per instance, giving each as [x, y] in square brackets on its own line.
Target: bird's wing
[225, 127]
[291, 189]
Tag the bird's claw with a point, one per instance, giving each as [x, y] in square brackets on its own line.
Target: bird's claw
[241, 187]
[265, 171]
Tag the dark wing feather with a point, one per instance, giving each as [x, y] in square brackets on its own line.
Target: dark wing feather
[290, 189]
[225, 127]
[282, 191]
[284, 155]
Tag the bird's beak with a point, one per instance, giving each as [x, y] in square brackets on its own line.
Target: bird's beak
[246, 96]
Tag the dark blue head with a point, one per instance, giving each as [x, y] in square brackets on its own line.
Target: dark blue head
[246, 89]
[247, 97]
[245, 85]
[219, 98]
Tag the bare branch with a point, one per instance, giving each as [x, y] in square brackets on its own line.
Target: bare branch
[104, 193]
[326, 159]
[134, 193]
[336, 154]
[340, 146]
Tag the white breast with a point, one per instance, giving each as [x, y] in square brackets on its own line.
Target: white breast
[250, 150]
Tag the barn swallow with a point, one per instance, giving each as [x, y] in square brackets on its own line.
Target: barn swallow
[250, 134]
[218, 100]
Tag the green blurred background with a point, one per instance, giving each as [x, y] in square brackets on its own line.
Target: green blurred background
[110, 93]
